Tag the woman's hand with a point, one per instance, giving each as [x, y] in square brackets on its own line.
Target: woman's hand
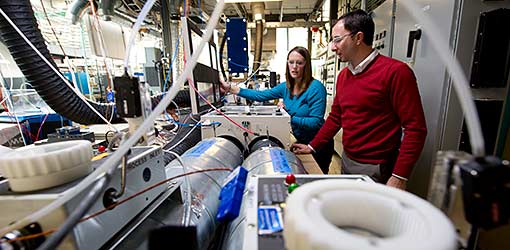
[226, 87]
[281, 105]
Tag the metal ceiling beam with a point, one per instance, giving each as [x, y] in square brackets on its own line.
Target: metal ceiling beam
[239, 13]
[304, 24]
[244, 11]
[317, 6]
[286, 17]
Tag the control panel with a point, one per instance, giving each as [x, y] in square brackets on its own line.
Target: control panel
[269, 121]
[265, 207]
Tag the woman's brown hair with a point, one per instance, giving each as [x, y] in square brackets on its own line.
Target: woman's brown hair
[307, 71]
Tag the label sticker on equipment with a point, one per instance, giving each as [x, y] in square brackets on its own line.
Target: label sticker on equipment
[200, 149]
[280, 163]
[269, 219]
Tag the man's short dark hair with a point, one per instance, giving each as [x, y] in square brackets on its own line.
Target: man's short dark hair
[359, 21]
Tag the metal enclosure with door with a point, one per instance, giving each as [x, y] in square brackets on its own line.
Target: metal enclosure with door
[457, 22]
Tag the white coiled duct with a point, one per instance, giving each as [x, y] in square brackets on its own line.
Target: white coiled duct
[38, 167]
[341, 214]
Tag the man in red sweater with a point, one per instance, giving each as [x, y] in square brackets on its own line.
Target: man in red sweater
[377, 100]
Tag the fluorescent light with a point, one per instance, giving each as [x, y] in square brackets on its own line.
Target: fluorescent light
[250, 1]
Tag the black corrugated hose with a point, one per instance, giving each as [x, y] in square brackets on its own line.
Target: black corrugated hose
[187, 143]
[182, 99]
[222, 47]
[45, 81]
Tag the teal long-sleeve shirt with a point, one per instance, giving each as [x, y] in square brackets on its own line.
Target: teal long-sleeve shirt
[306, 110]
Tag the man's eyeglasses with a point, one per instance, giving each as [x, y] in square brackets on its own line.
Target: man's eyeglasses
[338, 39]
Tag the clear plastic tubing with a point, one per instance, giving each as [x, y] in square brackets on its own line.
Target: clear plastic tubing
[136, 27]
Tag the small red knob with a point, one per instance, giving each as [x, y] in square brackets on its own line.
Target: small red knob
[289, 179]
[101, 149]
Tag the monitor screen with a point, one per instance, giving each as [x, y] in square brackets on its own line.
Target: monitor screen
[205, 73]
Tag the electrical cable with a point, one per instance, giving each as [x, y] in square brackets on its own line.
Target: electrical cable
[115, 157]
[222, 47]
[102, 44]
[112, 206]
[2, 102]
[171, 64]
[189, 124]
[41, 126]
[187, 209]
[182, 139]
[9, 101]
[66, 58]
[80, 95]
[236, 64]
[136, 27]
[221, 113]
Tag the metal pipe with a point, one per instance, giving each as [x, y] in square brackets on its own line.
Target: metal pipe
[258, 15]
[260, 162]
[108, 9]
[76, 8]
[206, 187]
[258, 45]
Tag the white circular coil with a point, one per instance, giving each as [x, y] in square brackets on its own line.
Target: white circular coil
[342, 214]
[39, 167]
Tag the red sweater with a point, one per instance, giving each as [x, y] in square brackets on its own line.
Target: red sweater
[373, 108]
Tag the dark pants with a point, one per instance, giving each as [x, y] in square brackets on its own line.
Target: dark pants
[378, 172]
[323, 156]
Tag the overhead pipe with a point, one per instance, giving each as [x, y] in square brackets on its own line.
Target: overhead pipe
[108, 6]
[76, 9]
[258, 16]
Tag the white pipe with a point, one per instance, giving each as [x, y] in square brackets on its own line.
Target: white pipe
[460, 82]
[136, 27]
[112, 161]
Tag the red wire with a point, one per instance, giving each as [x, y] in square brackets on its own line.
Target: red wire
[190, 83]
[22, 125]
[219, 111]
[40, 127]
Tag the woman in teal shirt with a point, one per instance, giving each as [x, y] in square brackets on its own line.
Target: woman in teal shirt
[304, 99]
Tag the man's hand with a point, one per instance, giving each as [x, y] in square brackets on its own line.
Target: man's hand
[298, 148]
[396, 183]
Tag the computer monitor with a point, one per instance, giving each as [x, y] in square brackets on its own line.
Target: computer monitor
[205, 73]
